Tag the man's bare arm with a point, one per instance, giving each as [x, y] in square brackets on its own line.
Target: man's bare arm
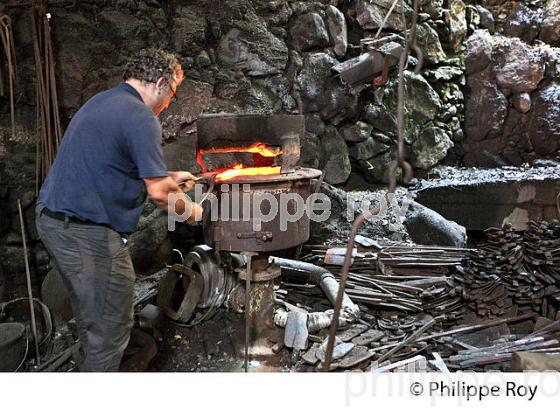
[159, 190]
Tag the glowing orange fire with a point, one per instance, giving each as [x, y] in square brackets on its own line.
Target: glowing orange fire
[237, 170]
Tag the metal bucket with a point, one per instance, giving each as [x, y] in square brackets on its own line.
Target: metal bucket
[13, 346]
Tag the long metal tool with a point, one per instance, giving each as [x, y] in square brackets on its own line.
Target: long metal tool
[29, 291]
[382, 25]
[7, 41]
[49, 129]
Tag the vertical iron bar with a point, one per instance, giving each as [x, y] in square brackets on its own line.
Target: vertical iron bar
[29, 291]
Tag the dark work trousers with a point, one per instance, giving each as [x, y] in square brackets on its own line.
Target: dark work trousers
[95, 266]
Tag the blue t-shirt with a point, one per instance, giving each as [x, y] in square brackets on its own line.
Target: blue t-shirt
[111, 144]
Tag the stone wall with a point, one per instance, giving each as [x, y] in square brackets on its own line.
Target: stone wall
[265, 57]
[276, 56]
[512, 61]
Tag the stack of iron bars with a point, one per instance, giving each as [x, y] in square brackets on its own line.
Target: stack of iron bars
[428, 267]
[399, 289]
[401, 279]
[514, 271]
[542, 254]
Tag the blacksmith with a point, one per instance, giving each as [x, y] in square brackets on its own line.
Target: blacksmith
[109, 159]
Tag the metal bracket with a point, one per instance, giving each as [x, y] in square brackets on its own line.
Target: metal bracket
[262, 236]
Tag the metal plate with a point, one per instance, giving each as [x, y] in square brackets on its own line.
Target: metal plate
[219, 130]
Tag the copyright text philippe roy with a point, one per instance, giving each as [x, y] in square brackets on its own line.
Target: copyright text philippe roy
[460, 387]
[473, 391]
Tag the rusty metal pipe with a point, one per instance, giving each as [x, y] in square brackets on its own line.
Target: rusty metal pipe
[298, 271]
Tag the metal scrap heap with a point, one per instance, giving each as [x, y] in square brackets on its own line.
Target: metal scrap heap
[514, 272]
[438, 308]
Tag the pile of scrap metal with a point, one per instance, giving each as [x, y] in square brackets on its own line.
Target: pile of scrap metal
[418, 307]
[368, 345]
[394, 308]
[514, 272]
[409, 342]
[298, 321]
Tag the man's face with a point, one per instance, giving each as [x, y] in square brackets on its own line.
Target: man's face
[168, 94]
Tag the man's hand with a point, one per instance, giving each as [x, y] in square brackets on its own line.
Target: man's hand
[160, 188]
[184, 179]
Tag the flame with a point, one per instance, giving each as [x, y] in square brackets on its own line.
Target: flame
[238, 169]
[256, 148]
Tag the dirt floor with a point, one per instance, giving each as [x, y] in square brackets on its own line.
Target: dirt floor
[216, 345]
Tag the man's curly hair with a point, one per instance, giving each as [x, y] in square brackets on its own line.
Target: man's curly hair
[150, 64]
